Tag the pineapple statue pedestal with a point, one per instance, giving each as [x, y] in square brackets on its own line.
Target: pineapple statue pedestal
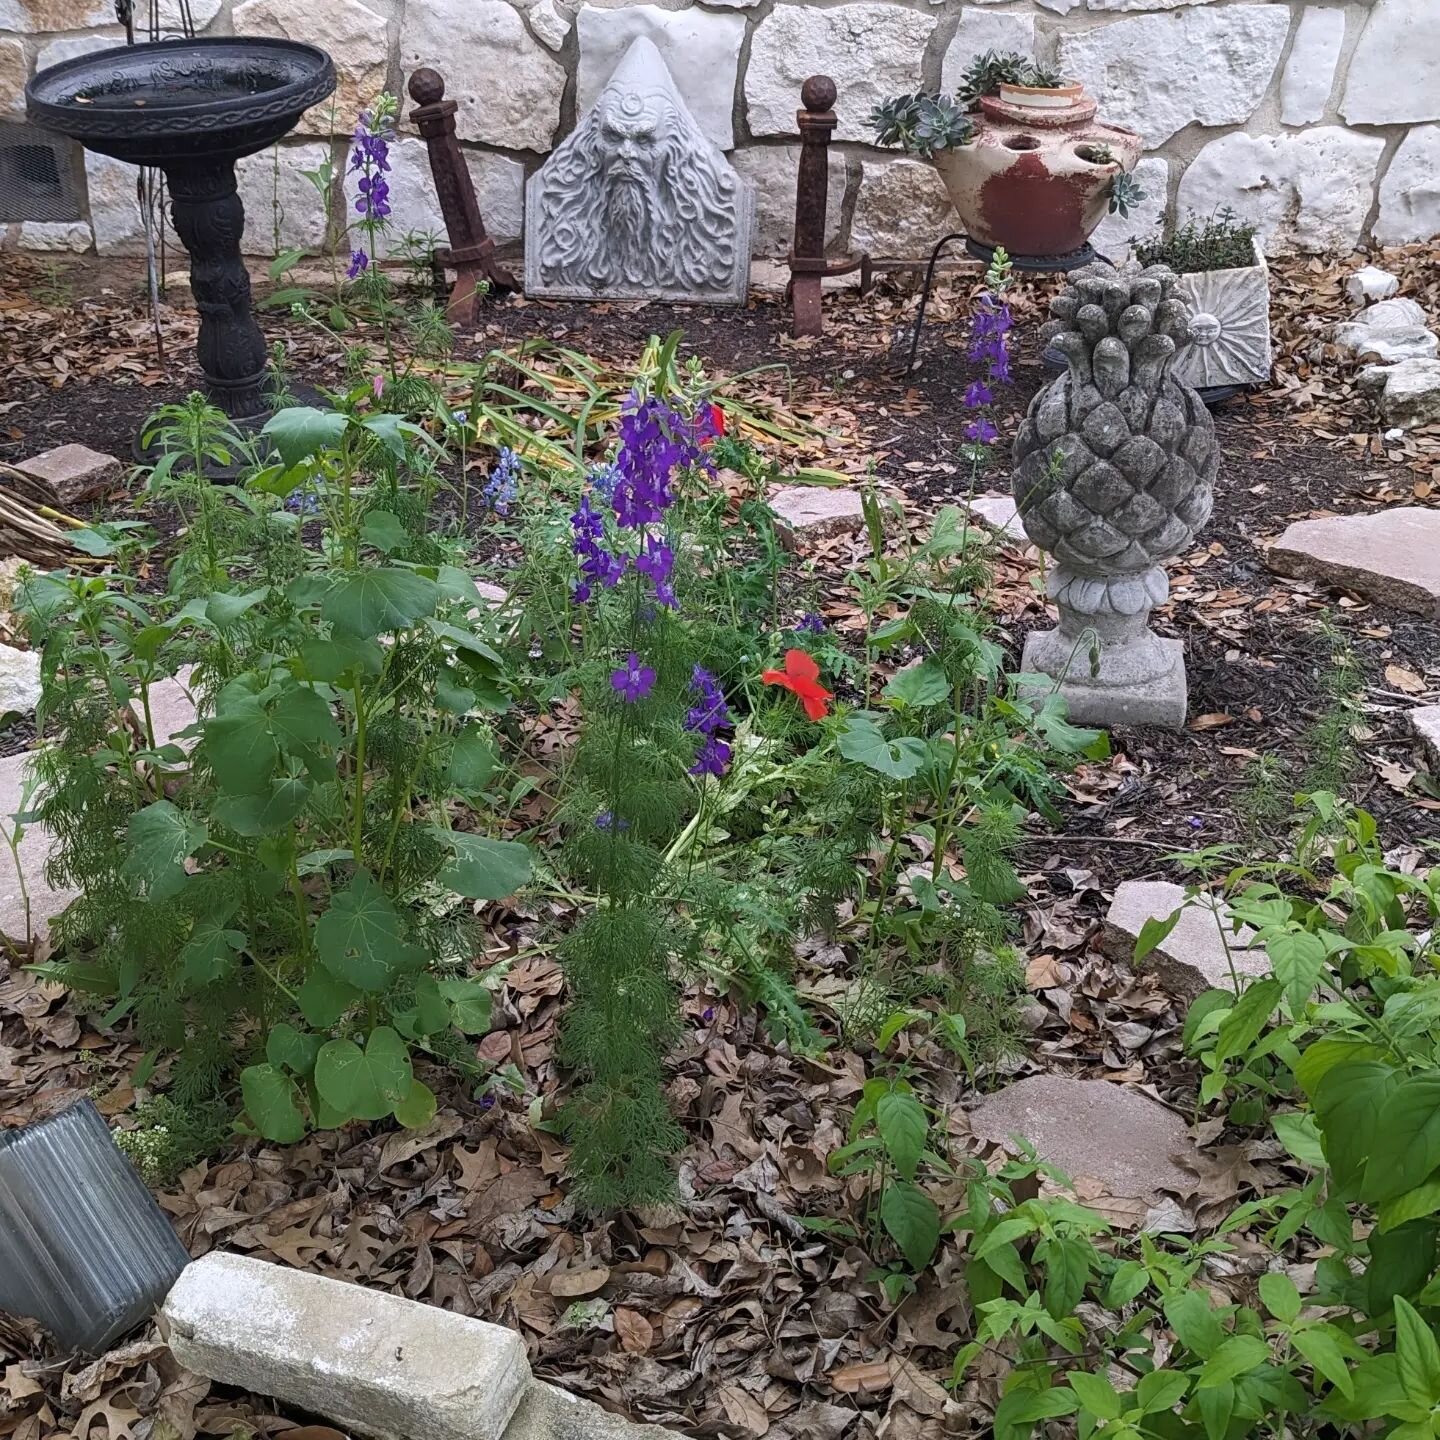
[1115, 466]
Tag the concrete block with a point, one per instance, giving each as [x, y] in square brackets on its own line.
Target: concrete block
[549, 1413]
[376, 1363]
[74, 472]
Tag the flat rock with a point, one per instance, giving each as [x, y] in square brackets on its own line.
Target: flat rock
[1310, 71]
[1193, 957]
[806, 513]
[1001, 514]
[1308, 190]
[44, 903]
[1371, 283]
[352, 34]
[375, 1362]
[549, 1413]
[31, 17]
[1408, 394]
[1391, 79]
[282, 210]
[773, 170]
[701, 51]
[72, 236]
[1388, 331]
[114, 210]
[901, 209]
[19, 681]
[414, 206]
[471, 43]
[871, 52]
[1425, 720]
[172, 709]
[1409, 196]
[980, 31]
[1111, 1141]
[1391, 556]
[1142, 69]
[550, 23]
[13, 75]
[1113, 235]
[74, 472]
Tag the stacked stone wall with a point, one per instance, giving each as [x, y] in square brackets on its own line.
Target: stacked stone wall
[1319, 120]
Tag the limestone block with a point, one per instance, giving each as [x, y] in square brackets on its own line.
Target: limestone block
[638, 202]
[550, 23]
[1388, 331]
[19, 681]
[1147, 74]
[1410, 191]
[114, 206]
[701, 51]
[871, 51]
[1369, 283]
[1310, 190]
[40, 17]
[1142, 4]
[74, 472]
[1001, 514]
[549, 1413]
[473, 43]
[499, 190]
[13, 75]
[54, 51]
[1112, 1142]
[773, 169]
[380, 1364]
[1193, 958]
[1408, 394]
[352, 34]
[202, 13]
[43, 903]
[1390, 556]
[1310, 71]
[1229, 340]
[1113, 235]
[1425, 720]
[1391, 79]
[901, 210]
[74, 236]
[282, 209]
[979, 31]
[807, 513]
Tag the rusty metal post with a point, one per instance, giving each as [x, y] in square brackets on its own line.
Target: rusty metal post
[471, 250]
[808, 265]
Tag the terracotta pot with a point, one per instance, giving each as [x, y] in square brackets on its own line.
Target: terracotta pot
[1034, 179]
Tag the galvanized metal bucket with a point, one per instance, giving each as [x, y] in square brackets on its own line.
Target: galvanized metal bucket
[84, 1248]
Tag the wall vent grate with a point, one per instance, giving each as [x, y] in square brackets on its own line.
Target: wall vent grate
[39, 175]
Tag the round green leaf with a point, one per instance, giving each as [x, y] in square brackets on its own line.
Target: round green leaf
[364, 1084]
[359, 936]
[483, 869]
[272, 1102]
[417, 1109]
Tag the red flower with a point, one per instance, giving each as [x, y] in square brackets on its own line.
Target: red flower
[801, 677]
[717, 426]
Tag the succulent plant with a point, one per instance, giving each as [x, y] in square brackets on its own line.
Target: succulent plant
[986, 73]
[921, 124]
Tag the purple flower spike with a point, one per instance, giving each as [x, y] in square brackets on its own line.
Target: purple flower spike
[359, 263]
[712, 757]
[634, 682]
[977, 395]
[981, 432]
[810, 624]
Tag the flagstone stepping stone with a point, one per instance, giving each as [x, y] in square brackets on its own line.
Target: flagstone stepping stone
[1389, 330]
[1001, 514]
[74, 472]
[1426, 720]
[1408, 394]
[1371, 283]
[1112, 1142]
[1391, 556]
[1192, 957]
[45, 903]
[807, 513]
[19, 681]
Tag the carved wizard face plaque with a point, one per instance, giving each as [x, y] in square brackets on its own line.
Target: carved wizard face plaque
[638, 203]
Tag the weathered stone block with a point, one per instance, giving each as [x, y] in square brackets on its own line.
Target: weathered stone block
[1370, 283]
[382, 1365]
[40, 17]
[352, 34]
[1391, 79]
[19, 681]
[1112, 238]
[13, 75]
[1388, 331]
[283, 211]
[870, 51]
[1410, 191]
[1145, 71]
[700, 50]
[471, 43]
[1390, 556]
[979, 31]
[1408, 394]
[55, 51]
[772, 169]
[1310, 71]
[1001, 514]
[74, 472]
[1193, 958]
[73, 236]
[1425, 720]
[1310, 190]
[549, 1413]
[807, 513]
[902, 208]
[27, 903]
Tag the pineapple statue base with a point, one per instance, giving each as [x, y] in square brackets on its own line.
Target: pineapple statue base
[1139, 683]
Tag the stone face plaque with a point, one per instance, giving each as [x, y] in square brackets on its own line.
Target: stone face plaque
[637, 204]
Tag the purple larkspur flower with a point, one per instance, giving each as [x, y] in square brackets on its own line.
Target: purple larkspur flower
[708, 715]
[359, 263]
[607, 821]
[603, 480]
[977, 395]
[373, 202]
[655, 560]
[810, 624]
[633, 681]
[597, 565]
[981, 432]
[503, 486]
[655, 441]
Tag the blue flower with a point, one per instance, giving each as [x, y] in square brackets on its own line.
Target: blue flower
[634, 681]
[359, 263]
[503, 486]
[981, 432]
[810, 624]
[977, 395]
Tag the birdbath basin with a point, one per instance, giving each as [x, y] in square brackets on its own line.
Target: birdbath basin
[192, 108]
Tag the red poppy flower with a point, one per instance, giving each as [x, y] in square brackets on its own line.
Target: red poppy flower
[717, 427]
[801, 676]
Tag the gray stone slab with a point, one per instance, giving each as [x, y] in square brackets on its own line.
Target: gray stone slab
[1001, 514]
[1193, 957]
[806, 513]
[548, 1413]
[1390, 556]
[1425, 720]
[44, 903]
[377, 1363]
[1097, 1133]
[74, 472]
[1408, 394]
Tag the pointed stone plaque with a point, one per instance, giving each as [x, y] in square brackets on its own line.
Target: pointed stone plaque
[637, 204]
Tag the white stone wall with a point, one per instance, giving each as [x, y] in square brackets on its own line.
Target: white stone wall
[1320, 119]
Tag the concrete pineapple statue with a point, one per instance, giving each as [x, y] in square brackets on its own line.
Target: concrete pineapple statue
[1114, 468]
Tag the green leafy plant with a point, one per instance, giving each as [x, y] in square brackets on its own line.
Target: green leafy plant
[1219, 242]
[921, 124]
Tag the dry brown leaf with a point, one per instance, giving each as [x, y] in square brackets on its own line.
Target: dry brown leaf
[869, 1377]
[636, 1333]
[572, 1284]
[1406, 680]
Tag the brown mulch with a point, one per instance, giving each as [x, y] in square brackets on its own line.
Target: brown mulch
[727, 1317]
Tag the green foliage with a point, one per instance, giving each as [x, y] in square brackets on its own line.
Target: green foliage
[985, 74]
[921, 124]
[1220, 242]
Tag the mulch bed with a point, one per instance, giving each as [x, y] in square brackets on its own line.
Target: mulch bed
[727, 1317]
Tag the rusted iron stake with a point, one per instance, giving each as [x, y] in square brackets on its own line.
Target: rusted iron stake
[808, 265]
[471, 251]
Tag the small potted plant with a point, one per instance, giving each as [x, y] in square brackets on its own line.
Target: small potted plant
[1225, 282]
[1026, 164]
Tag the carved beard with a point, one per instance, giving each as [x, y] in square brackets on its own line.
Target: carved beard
[627, 237]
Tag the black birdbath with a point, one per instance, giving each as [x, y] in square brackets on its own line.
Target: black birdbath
[192, 108]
